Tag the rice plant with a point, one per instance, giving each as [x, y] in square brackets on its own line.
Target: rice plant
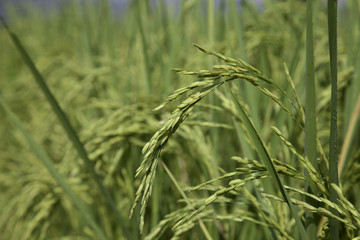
[258, 141]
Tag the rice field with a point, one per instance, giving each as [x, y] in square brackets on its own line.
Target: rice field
[180, 120]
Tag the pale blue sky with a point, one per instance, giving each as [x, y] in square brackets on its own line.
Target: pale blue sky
[117, 4]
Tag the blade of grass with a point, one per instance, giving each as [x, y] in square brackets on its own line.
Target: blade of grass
[47, 162]
[213, 131]
[253, 96]
[310, 112]
[333, 158]
[148, 83]
[353, 41]
[71, 133]
[352, 98]
[349, 137]
[264, 155]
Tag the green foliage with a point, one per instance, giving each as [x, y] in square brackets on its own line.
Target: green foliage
[107, 73]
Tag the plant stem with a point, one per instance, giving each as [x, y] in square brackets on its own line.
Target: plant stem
[310, 112]
[333, 158]
[145, 48]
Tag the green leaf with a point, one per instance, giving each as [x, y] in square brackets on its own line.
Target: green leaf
[333, 158]
[310, 111]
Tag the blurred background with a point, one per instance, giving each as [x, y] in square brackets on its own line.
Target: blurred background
[109, 63]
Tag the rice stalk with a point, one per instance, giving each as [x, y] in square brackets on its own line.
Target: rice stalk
[153, 148]
[310, 113]
[213, 79]
[148, 82]
[334, 224]
[350, 135]
[313, 175]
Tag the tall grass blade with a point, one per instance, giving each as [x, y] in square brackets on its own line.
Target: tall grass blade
[71, 133]
[47, 162]
[349, 138]
[213, 132]
[310, 112]
[333, 158]
[264, 155]
[144, 46]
